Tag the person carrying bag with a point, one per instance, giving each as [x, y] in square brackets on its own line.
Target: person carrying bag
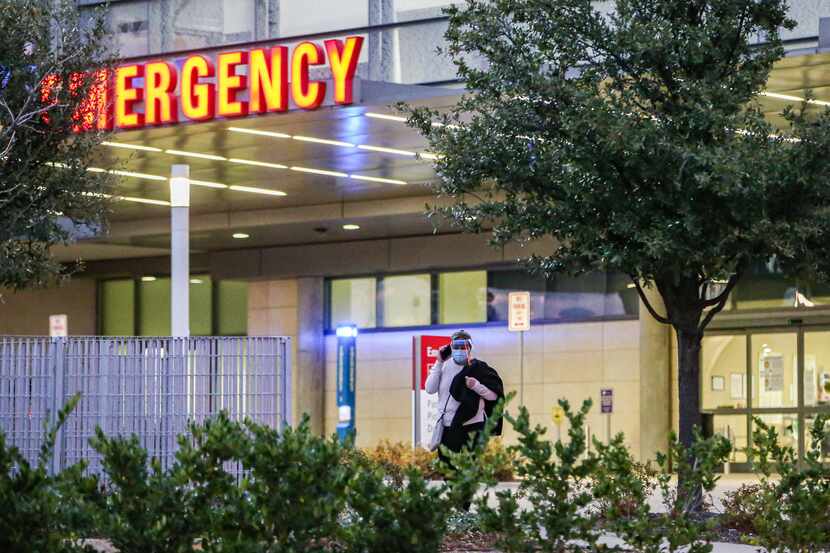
[468, 390]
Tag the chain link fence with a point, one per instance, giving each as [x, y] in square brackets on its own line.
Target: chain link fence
[150, 387]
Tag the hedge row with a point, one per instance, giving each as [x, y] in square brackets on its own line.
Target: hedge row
[304, 493]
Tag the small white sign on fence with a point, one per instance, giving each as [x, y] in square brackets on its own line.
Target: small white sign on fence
[58, 326]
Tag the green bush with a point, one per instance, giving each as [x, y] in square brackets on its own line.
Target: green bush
[624, 494]
[743, 507]
[42, 513]
[794, 506]
[554, 480]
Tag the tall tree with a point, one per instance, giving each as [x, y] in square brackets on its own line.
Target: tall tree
[634, 138]
[52, 65]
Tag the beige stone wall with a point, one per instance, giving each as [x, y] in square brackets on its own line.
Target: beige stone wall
[294, 308]
[27, 312]
[571, 361]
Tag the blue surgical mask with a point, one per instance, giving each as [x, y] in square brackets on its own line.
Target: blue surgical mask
[459, 356]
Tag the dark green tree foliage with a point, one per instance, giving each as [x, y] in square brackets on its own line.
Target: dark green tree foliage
[45, 188]
[635, 141]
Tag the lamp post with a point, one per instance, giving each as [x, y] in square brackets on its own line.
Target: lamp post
[180, 250]
[346, 367]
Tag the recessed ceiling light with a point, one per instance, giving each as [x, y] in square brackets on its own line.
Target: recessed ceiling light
[387, 117]
[323, 141]
[196, 281]
[257, 163]
[259, 133]
[207, 184]
[427, 155]
[148, 279]
[140, 200]
[377, 179]
[351, 227]
[199, 155]
[385, 150]
[319, 171]
[255, 190]
[133, 174]
[127, 146]
[241, 235]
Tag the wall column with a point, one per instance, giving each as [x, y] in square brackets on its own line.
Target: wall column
[294, 308]
[655, 380]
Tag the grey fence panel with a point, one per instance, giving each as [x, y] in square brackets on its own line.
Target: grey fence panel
[148, 387]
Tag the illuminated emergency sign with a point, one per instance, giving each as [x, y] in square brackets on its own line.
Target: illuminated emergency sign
[229, 84]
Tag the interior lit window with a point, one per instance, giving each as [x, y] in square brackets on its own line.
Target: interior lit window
[352, 301]
[406, 300]
[117, 299]
[463, 297]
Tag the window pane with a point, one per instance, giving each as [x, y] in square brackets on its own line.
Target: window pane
[353, 302]
[774, 361]
[233, 308]
[575, 298]
[201, 306]
[816, 368]
[154, 305]
[501, 283]
[723, 372]
[406, 300]
[764, 288]
[118, 307]
[621, 297]
[463, 297]
[734, 429]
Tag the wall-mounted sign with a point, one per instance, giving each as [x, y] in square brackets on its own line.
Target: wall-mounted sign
[606, 401]
[201, 87]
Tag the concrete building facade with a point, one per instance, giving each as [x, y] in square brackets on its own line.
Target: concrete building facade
[307, 218]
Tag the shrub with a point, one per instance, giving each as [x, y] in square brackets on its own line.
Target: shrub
[794, 509]
[144, 509]
[554, 478]
[624, 494]
[42, 513]
[742, 507]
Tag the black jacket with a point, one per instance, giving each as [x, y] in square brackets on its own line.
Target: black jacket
[469, 399]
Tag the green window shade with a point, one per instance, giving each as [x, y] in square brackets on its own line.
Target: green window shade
[232, 308]
[118, 307]
[462, 297]
[154, 307]
[353, 302]
[201, 305]
[406, 300]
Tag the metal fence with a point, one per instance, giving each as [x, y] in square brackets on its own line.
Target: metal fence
[150, 387]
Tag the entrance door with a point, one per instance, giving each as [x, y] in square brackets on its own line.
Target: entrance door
[781, 377]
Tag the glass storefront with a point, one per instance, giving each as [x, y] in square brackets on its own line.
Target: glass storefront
[781, 377]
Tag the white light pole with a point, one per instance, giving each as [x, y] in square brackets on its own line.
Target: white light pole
[180, 250]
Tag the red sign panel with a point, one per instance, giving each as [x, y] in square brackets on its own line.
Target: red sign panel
[428, 354]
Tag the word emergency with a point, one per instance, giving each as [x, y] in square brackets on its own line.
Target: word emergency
[235, 84]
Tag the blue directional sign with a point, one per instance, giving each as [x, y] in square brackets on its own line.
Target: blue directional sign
[346, 366]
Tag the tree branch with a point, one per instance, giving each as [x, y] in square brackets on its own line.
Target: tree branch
[720, 302]
[657, 317]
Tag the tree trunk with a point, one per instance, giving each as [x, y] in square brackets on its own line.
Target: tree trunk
[688, 372]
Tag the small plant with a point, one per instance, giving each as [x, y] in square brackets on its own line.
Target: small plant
[794, 507]
[623, 493]
[742, 507]
[42, 513]
[554, 481]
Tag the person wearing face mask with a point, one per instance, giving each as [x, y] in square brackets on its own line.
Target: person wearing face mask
[468, 390]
